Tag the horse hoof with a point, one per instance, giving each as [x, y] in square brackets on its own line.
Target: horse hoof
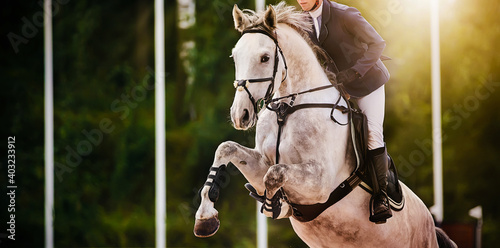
[206, 228]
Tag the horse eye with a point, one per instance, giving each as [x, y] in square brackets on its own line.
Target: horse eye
[264, 58]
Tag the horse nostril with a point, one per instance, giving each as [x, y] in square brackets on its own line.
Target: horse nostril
[246, 116]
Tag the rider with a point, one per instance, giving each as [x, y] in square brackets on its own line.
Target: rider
[356, 48]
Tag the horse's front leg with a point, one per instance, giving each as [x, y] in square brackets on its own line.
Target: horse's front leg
[250, 163]
[305, 181]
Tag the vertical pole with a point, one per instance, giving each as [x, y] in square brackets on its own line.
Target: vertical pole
[477, 213]
[479, 228]
[261, 228]
[161, 196]
[49, 127]
[261, 219]
[437, 209]
[260, 5]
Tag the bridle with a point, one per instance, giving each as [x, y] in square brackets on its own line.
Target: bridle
[282, 109]
[243, 84]
[302, 213]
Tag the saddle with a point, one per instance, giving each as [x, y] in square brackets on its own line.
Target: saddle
[394, 192]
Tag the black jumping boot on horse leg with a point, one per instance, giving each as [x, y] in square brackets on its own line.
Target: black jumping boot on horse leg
[380, 209]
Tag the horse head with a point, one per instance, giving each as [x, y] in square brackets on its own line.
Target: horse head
[258, 66]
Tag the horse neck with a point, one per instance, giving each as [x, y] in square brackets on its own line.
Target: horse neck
[304, 71]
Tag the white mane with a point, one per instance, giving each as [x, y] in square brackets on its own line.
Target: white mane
[298, 20]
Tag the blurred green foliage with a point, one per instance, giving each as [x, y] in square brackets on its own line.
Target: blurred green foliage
[104, 118]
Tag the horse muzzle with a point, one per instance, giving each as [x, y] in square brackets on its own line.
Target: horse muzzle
[243, 118]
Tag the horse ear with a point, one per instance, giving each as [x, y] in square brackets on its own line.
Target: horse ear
[240, 19]
[270, 18]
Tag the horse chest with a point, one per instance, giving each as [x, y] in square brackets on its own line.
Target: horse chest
[298, 137]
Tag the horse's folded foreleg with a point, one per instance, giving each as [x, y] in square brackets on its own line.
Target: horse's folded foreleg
[284, 180]
[247, 160]
[207, 222]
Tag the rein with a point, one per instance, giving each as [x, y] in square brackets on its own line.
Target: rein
[283, 109]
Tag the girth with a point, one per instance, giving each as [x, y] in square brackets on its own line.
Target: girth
[304, 213]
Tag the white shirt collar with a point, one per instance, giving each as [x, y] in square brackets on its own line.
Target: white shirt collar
[314, 14]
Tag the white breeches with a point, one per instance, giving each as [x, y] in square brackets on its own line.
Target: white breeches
[373, 106]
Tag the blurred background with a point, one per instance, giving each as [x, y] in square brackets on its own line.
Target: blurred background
[104, 117]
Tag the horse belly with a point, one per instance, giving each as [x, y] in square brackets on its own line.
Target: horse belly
[346, 224]
[341, 225]
[345, 233]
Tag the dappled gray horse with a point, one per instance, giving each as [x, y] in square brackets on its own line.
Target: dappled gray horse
[314, 153]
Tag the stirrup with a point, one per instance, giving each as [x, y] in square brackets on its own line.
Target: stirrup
[382, 217]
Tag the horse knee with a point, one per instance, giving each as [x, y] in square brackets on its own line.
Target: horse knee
[275, 177]
[226, 149]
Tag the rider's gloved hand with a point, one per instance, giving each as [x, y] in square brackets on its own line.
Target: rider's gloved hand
[347, 76]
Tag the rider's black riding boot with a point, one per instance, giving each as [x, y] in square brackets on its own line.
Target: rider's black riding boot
[380, 210]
